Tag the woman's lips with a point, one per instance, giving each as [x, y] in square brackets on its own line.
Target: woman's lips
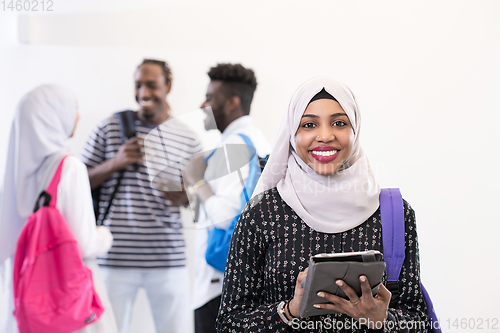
[324, 154]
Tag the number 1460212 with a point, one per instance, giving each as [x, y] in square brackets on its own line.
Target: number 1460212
[27, 5]
[469, 324]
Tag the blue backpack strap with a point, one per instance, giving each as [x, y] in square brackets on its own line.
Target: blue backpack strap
[220, 239]
[206, 158]
[393, 238]
[253, 173]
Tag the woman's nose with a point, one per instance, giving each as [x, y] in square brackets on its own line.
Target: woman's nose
[325, 135]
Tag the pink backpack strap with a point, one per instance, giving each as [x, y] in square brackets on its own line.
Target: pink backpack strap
[52, 189]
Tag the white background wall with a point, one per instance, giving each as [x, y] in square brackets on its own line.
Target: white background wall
[426, 75]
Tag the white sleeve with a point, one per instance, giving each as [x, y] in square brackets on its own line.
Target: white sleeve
[225, 204]
[228, 196]
[74, 201]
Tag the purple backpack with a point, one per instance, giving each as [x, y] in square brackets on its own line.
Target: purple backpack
[393, 238]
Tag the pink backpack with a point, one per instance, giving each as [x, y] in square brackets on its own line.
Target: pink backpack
[53, 289]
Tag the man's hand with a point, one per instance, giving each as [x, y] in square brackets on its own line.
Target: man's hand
[173, 191]
[129, 153]
[194, 170]
[178, 198]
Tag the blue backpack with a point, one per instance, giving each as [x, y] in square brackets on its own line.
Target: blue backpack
[219, 239]
[393, 238]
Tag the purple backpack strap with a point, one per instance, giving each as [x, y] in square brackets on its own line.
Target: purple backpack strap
[393, 238]
[433, 318]
[393, 234]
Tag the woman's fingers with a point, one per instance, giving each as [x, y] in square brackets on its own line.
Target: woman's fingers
[302, 275]
[297, 297]
[365, 286]
[335, 303]
[366, 306]
[350, 306]
[353, 297]
[384, 294]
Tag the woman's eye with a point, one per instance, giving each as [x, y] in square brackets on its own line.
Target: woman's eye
[339, 123]
[308, 125]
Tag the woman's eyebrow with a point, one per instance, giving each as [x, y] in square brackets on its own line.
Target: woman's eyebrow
[339, 114]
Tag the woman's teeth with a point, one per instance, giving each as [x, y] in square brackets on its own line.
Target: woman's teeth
[324, 153]
[146, 103]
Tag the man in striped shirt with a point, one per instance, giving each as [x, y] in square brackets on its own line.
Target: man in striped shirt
[148, 249]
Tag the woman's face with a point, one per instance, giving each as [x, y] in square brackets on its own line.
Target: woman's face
[325, 136]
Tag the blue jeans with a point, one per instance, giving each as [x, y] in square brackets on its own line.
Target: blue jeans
[167, 290]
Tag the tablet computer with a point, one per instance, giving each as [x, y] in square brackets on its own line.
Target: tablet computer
[326, 268]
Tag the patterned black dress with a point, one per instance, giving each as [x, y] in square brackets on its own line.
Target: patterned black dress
[271, 245]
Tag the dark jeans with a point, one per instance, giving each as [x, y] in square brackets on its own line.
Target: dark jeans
[204, 317]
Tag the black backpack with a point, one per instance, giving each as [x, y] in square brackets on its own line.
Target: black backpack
[126, 123]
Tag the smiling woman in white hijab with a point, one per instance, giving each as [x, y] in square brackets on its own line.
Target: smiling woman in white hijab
[45, 119]
[317, 194]
[332, 202]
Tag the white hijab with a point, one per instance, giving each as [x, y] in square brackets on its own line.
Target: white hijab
[327, 203]
[44, 120]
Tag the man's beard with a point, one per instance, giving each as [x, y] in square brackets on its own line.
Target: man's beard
[148, 116]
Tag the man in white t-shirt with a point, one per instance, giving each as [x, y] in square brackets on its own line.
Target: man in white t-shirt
[216, 183]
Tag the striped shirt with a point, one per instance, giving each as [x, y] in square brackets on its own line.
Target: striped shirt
[146, 227]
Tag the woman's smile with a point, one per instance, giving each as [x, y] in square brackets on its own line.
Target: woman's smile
[324, 154]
